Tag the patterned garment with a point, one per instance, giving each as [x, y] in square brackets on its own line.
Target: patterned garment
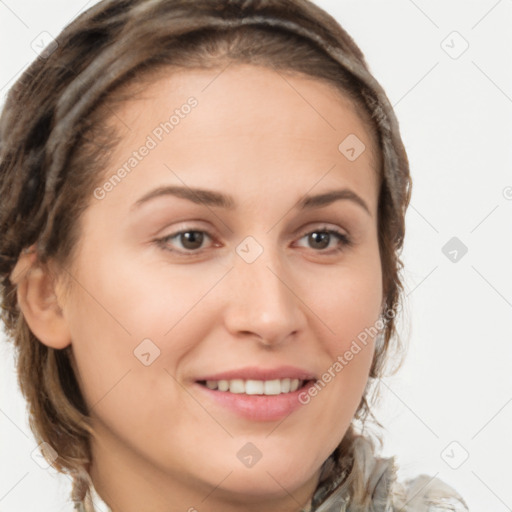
[420, 494]
[385, 492]
[412, 496]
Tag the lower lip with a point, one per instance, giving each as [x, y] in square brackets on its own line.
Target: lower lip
[258, 407]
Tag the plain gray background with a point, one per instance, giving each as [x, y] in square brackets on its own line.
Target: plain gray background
[446, 68]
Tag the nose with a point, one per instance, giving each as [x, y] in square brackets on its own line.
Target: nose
[263, 301]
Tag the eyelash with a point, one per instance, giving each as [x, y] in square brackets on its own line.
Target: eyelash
[344, 241]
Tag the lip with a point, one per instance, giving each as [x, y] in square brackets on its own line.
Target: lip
[257, 373]
[257, 407]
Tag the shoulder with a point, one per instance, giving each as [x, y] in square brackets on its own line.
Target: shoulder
[425, 493]
[372, 484]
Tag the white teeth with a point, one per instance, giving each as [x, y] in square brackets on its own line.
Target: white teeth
[272, 387]
[223, 385]
[286, 385]
[236, 386]
[256, 387]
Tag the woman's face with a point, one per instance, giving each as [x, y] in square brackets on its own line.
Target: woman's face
[258, 287]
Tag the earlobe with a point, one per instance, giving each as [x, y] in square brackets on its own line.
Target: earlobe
[39, 303]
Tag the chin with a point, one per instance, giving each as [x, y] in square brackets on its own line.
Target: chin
[262, 485]
[271, 477]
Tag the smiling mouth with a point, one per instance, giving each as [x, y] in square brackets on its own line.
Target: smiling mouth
[256, 387]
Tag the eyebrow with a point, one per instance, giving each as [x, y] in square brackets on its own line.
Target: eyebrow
[212, 198]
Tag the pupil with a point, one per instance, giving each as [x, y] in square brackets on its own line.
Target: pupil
[192, 239]
[323, 238]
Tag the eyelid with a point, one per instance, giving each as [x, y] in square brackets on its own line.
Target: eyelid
[320, 226]
[162, 240]
[344, 239]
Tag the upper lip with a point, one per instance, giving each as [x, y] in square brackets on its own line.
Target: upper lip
[258, 373]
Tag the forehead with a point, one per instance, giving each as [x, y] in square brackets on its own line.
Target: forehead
[260, 91]
[248, 119]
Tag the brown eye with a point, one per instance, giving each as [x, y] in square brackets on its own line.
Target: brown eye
[319, 239]
[186, 241]
[191, 239]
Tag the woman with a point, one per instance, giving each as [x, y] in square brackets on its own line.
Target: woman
[205, 209]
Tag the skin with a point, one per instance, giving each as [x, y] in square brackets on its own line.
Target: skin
[160, 445]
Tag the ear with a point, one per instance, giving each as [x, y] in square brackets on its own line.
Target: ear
[38, 301]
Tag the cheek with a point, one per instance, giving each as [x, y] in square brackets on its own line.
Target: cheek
[348, 306]
[348, 300]
[123, 314]
[353, 327]
[140, 299]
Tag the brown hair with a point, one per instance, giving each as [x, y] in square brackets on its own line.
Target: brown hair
[54, 144]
